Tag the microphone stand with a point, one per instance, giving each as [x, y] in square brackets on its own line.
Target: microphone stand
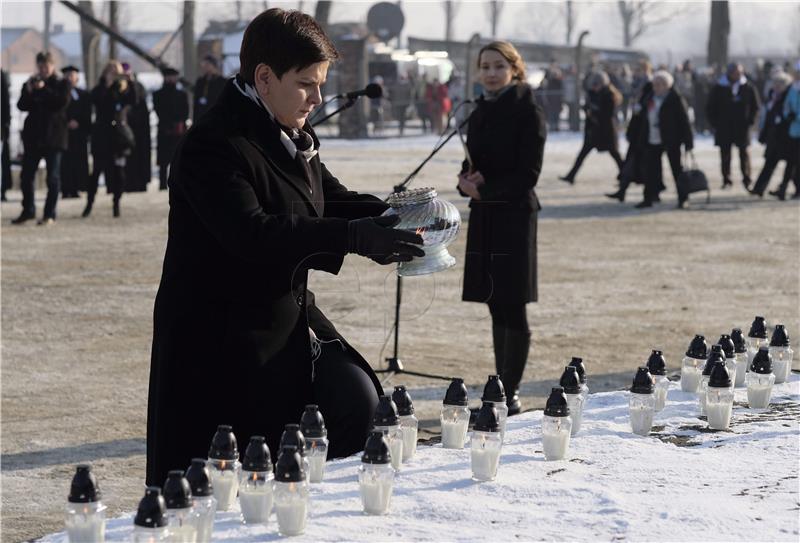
[348, 104]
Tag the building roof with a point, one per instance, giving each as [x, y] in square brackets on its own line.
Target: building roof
[9, 35]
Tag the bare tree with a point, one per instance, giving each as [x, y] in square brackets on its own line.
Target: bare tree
[322, 13]
[718, 33]
[495, 9]
[570, 19]
[189, 44]
[639, 16]
[112, 22]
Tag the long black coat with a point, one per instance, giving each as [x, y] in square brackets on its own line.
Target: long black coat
[46, 123]
[139, 166]
[75, 164]
[506, 143]
[172, 107]
[673, 121]
[775, 132]
[207, 90]
[110, 104]
[731, 116]
[232, 315]
[600, 128]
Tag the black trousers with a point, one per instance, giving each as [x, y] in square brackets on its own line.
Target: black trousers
[511, 316]
[114, 174]
[163, 176]
[744, 160]
[346, 397]
[6, 167]
[653, 175]
[584, 152]
[30, 164]
[74, 170]
[770, 165]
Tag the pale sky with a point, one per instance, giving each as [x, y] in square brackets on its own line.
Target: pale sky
[757, 27]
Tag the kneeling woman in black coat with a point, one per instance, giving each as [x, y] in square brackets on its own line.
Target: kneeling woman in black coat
[506, 138]
[237, 336]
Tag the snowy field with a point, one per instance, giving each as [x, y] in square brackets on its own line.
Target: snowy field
[682, 483]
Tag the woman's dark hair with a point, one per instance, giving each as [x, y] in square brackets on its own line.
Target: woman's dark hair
[283, 40]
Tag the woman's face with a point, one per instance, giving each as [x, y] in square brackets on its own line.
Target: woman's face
[660, 87]
[495, 71]
[292, 97]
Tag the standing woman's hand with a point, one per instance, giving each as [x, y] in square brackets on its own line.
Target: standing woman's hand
[468, 187]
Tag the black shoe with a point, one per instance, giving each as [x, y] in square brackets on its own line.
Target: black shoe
[756, 193]
[643, 204]
[726, 184]
[514, 405]
[747, 182]
[619, 195]
[567, 179]
[116, 209]
[779, 194]
[87, 210]
[23, 218]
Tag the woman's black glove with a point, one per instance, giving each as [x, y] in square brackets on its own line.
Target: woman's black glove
[375, 238]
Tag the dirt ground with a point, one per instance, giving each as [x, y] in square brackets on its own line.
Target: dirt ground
[77, 302]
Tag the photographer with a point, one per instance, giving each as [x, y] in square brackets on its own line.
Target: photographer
[45, 97]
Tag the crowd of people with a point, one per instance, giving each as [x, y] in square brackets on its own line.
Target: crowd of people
[429, 99]
[65, 124]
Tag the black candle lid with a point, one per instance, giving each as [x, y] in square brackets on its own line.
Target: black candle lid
[493, 390]
[256, 455]
[758, 329]
[223, 444]
[577, 363]
[289, 468]
[657, 364]
[739, 342]
[720, 378]
[376, 449]
[385, 412]
[570, 381]
[487, 418]
[716, 357]
[728, 346]
[83, 488]
[698, 348]
[292, 436]
[762, 361]
[177, 492]
[199, 478]
[556, 405]
[456, 393]
[642, 381]
[311, 423]
[402, 399]
[152, 509]
[780, 337]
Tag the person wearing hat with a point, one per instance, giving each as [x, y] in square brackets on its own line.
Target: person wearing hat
[45, 98]
[171, 104]
[208, 87]
[75, 162]
[238, 338]
[139, 166]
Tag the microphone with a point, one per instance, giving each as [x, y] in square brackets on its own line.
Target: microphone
[373, 90]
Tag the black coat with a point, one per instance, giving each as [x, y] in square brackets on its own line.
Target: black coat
[206, 93]
[171, 104]
[673, 121]
[731, 117]
[111, 104]
[600, 128]
[139, 166]
[775, 132]
[46, 123]
[5, 106]
[75, 163]
[506, 143]
[232, 315]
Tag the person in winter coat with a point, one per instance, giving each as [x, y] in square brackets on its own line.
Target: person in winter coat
[505, 140]
[75, 161]
[45, 98]
[208, 87]
[112, 138]
[237, 336]
[664, 128]
[775, 136]
[600, 128]
[731, 111]
[171, 104]
[139, 165]
[791, 111]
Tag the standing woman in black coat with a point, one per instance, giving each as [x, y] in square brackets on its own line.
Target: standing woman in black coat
[506, 138]
[600, 127]
[238, 338]
[775, 135]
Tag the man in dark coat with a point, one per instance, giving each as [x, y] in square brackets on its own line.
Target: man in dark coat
[139, 166]
[208, 87]
[172, 107]
[45, 97]
[237, 336]
[731, 111]
[75, 162]
[5, 119]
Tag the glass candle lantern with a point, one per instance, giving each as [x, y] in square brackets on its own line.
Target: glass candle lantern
[181, 516]
[657, 365]
[85, 512]
[580, 367]
[316, 435]
[409, 423]
[224, 466]
[782, 354]
[150, 523]
[760, 380]
[495, 393]
[693, 363]
[376, 475]
[387, 420]
[756, 337]
[203, 500]
[642, 402]
[291, 493]
[455, 415]
[486, 444]
[292, 436]
[719, 398]
[729, 350]
[255, 485]
[556, 426]
[716, 357]
[740, 356]
[571, 384]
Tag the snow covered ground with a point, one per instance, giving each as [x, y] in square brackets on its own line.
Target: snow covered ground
[683, 483]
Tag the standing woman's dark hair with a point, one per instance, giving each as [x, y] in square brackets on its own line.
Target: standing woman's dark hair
[505, 140]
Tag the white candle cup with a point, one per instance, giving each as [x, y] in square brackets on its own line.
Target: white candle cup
[753, 345]
[205, 508]
[485, 455]
[291, 507]
[225, 476]
[642, 408]
[575, 403]
[691, 371]
[86, 522]
[410, 427]
[716, 358]
[660, 392]
[455, 423]
[317, 455]
[556, 433]
[375, 483]
[150, 535]
[781, 363]
[182, 525]
[255, 496]
[759, 389]
[394, 435]
[741, 368]
[719, 407]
